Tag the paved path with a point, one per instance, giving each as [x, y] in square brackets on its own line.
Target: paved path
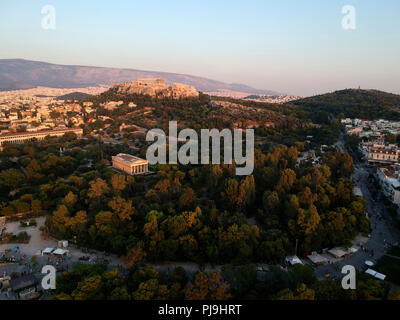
[38, 243]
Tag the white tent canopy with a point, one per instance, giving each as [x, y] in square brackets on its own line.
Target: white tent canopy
[369, 263]
[337, 252]
[317, 259]
[293, 260]
[353, 249]
[60, 252]
[47, 250]
[380, 276]
[375, 274]
[371, 272]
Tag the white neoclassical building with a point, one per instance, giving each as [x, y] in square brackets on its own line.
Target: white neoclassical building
[130, 164]
[21, 137]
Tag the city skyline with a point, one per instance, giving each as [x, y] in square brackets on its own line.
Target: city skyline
[294, 48]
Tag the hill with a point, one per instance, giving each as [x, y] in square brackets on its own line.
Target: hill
[355, 103]
[15, 73]
[74, 96]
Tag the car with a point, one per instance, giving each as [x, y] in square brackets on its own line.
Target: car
[84, 258]
[104, 261]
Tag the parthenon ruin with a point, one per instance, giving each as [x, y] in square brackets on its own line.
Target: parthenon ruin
[157, 87]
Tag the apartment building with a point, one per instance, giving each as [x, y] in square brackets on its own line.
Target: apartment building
[388, 178]
[383, 155]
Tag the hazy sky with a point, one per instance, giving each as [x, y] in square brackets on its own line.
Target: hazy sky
[292, 46]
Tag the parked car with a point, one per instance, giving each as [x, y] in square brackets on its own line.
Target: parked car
[84, 258]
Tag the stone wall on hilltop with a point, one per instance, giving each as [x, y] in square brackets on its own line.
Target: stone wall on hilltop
[157, 87]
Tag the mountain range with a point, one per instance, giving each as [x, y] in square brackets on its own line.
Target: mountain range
[24, 74]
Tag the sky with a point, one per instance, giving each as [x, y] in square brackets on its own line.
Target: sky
[292, 46]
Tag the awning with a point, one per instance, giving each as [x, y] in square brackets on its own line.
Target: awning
[48, 250]
[317, 259]
[293, 260]
[353, 249]
[337, 252]
[380, 276]
[60, 252]
[371, 272]
[369, 263]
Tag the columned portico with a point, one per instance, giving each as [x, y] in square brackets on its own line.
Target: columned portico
[21, 137]
[130, 164]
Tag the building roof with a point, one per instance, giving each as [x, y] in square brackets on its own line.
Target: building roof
[316, 258]
[380, 276]
[391, 175]
[17, 134]
[371, 272]
[375, 274]
[357, 191]
[337, 252]
[394, 182]
[23, 282]
[382, 151]
[369, 263]
[293, 260]
[60, 252]
[353, 249]
[129, 159]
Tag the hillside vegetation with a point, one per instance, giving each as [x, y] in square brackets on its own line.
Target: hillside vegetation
[352, 103]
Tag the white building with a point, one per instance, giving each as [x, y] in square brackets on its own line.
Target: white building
[389, 180]
[21, 137]
[383, 155]
[130, 164]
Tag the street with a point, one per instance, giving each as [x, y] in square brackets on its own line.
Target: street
[36, 244]
[384, 231]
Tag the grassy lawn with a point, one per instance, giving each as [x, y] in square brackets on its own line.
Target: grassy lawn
[390, 266]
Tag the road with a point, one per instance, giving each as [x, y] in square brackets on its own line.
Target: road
[384, 230]
[38, 242]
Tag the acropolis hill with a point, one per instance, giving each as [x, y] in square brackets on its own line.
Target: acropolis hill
[156, 87]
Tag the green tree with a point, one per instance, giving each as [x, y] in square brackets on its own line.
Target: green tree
[98, 188]
[286, 182]
[11, 179]
[118, 182]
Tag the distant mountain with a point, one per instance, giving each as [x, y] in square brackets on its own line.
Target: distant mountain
[7, 86]
[355, 103]
[19, 73]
